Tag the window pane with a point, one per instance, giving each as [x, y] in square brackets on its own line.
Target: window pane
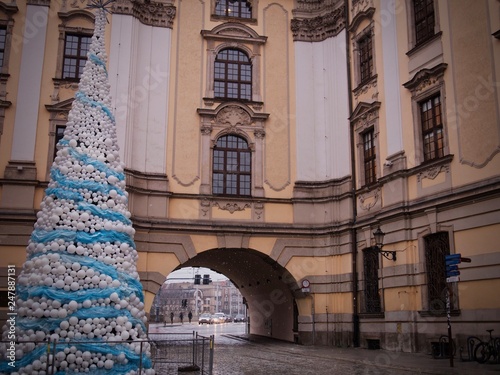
[432, 128]
[231, 166]
[231, 68]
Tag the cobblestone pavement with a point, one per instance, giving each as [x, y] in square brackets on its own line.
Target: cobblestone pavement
[236, 353]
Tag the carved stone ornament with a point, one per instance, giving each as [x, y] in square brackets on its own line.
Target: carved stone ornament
[369, 199]
[152, 13]
[433, 172]
[233, 116]
[319, 27]
[359, 6]
[232, 207]
[425, 78]
[364, 115]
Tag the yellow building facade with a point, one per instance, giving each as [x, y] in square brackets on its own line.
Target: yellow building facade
[269, 140]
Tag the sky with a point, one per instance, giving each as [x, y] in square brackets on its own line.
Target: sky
[187, 273]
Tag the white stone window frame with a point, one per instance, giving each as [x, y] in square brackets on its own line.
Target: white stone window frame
[366, 117]
[425, 84]
[410, 21]
[234, 36]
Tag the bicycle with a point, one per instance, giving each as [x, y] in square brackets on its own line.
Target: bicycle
[485, 350]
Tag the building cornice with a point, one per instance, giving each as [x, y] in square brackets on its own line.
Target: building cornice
[151, 13]
[45, 3]
[315, 21]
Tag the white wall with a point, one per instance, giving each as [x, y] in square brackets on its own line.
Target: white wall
[30, 78]
[322, 110]
[139, 72]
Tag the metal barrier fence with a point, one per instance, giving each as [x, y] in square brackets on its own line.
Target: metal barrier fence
[170, 353]
[182, 352]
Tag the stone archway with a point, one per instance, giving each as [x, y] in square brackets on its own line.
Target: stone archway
[268, 288]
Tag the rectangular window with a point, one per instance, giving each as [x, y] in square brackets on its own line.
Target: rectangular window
[59, 136]
[75, 55]
[233, 8]
[437, 246]
[369, 157]
[423, 11]
[432, 128]
[372, 295]
[365, 58]
[3, 38]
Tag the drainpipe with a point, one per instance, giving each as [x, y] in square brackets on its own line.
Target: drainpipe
[354, 250]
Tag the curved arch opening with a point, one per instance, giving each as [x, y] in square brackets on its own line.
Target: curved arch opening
[267, 288]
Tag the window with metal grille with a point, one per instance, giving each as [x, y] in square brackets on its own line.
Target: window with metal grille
[233, 8]
[432, 128]
[371, 266]
[231, 166]
[233, 75]
[423, 11]
[365, 58]
[3, 39]
[437, 246]
[369, 157]
[75, 55]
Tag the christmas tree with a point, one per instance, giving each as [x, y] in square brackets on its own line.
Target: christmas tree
[79, 288]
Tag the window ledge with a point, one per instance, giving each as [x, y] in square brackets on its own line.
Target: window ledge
[438, 314]
[432, 163]
[66, 81]
[210, 102]
[365, 85]
[422, 45]
[252, 21]
[378, 315]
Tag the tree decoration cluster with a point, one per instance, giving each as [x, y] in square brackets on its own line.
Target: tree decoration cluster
[79, 287]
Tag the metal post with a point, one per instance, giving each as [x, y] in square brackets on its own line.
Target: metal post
[140, 360]
[211, 358]
[448, 315]
[195, 341]
[48, 356]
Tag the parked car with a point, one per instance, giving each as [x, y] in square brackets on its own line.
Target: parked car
[239, 318]
[221, 317]
[205, 319]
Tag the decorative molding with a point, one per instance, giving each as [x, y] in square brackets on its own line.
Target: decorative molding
[232, 207]
[233, 115]
[360, 16]
[368, 200]
[432, 172]
[45, 3]
[151, 13]
[234, 33]
[360, 6]
[364, 115]
[425, 78]
[309, 26]
[364, 87]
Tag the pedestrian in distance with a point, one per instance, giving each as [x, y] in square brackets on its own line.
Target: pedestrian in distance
[172, 317]
[181, 316]
[190, 316]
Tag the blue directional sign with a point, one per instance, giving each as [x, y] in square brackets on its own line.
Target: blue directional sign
[452, 262]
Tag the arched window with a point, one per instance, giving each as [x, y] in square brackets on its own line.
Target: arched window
[233, 75]
[232, 166]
